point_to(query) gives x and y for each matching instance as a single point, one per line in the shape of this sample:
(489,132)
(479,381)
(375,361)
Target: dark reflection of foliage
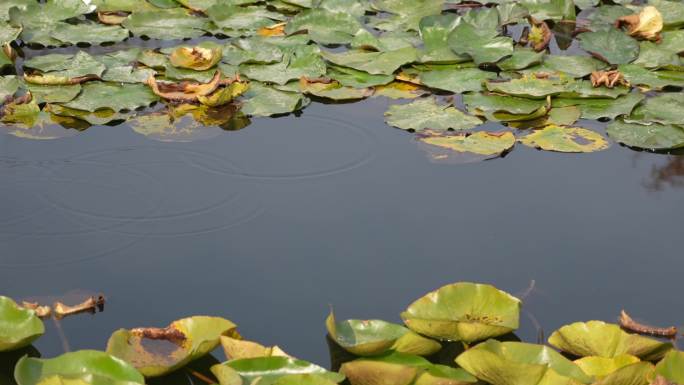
(671,174)
(563,33)
(338,356)
(9,359)
(185,376)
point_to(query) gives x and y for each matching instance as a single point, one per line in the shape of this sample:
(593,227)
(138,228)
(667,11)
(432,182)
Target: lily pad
(505,108)
(565,139)
(81,367)
(266,101)
(333,90)
(671,367)
(9,85)
(652,137)
(402,369)
(229,17)
(268,370)
(656,80)
(517,363)
(374,337)
(355,78)
(664,109)
(375,63)
(457,80)
(198,58)
(19,327)
(428,114)
(464,311)
(173,23)
(600,367)
(435,31)
(297,62)
(101,95)
(483,45)
(324,26)
(186,340)
(597,108)
(639,373)
(612,46)
(481,142)
(236,349)
(597,338)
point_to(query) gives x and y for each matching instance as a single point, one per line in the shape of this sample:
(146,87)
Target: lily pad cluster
(459,334)
(483,75)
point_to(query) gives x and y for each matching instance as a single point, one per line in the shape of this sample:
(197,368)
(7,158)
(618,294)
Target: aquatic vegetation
(19,327)
(268,58)
(458,334)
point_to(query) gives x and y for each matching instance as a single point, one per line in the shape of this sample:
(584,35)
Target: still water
(269,225)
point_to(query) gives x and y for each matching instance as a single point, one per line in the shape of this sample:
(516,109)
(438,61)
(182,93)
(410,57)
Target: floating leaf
(565,139)
(517,363)
(198,58)
(236,18)
(224,95)
(76,368)
(185,340)
(505,108)
(639,76)
(266,101)
(54,94)
(671,367)
(634,374)
(563,116)
(92,33)
(483,45)
(19,327)
(402,369)
(481,142)
(456,80)
(355,78)
(464,311)
(8,86)
(664,109)
(324,26)
(236,349)
(174,23)
(597,338)
(653,136)
(435,33)
(428,114)
(612,46)
(374,337)
(375,63)
(597,108)
(297,62)
(333,90)
(268,370)
(117,97)
(399,90)
(600,367)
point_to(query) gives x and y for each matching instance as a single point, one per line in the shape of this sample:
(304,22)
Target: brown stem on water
(627,323)
(168,333)
(41,311)
(201,376)
(89,305)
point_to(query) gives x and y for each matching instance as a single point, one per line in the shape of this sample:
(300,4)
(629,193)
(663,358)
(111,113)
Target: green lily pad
(522,58)
(671,367)
(456,80)
(435,31)
(268,370)
(574,66)
(54,94)
(128,74)
(9,85)
(565,139)
(664,109)
(505,108)
(464,311)
(262,100)
(597,338)
(612,46)
(200,335)
(402,369)
(483,45)
(113,96)
(66,67)
(19,327)
(358,79)
(374,337)
(399,90)
(333,90)
(597,108)
(256,49)
(324,26)
(600,367)
(652,137)
(92,33)
(173,23)
(656,80)
(375,63)
(81,367)
(550,9)
(428,114)
(528,87)
(303,379)
(563,116)
(517,363)
(231,18)
(405,14)
(481,142)
(297,62)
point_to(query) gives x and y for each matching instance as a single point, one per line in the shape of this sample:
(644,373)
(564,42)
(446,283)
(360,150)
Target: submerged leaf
(19,327)
(464,311)
(176,345)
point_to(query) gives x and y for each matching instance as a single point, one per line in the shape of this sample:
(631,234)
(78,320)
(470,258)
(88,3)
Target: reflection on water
(668,175)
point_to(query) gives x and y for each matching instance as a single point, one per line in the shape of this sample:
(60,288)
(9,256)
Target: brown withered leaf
(112,18)
(540,34)
(609,79)
(646,24)
(41,311)
(627,323)
(89,305)
(272,30)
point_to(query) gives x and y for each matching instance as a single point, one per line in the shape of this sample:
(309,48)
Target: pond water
(271,224)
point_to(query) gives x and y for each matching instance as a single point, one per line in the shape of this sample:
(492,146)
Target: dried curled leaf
(224,95)
(196,58)
(184,91)
(112,18)
(609,79)
(626,322)
(646,24)
(53,80)
(89,305)
(41,311)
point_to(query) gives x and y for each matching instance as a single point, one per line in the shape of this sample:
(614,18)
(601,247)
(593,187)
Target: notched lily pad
(464,311)
(158,351)
(428,114)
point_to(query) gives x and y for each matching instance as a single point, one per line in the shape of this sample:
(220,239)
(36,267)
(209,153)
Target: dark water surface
(269,225)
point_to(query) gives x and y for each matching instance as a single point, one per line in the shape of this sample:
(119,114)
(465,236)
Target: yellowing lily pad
(565,139)
(600,367)
(236,349)
(464,311)
(597,338)
(481,142)
(199,58)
